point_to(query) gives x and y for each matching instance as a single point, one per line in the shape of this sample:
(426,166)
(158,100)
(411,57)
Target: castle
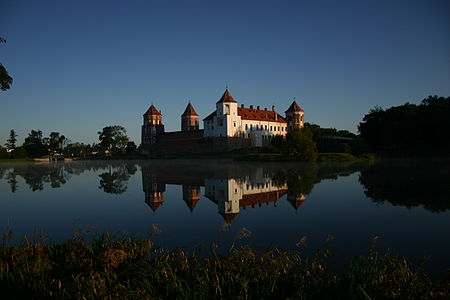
(228,128)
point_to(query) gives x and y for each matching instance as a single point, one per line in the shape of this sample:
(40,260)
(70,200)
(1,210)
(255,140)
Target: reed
(126,268)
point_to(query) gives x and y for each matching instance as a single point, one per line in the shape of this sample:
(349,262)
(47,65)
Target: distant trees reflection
(36,176)
(115,180)
(399,182)
(409,183)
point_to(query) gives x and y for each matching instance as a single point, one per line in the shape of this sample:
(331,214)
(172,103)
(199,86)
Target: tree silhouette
(5,79)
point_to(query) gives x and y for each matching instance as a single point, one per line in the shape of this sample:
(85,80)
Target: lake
(192,204)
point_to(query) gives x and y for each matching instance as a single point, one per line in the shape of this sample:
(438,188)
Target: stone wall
(193,142)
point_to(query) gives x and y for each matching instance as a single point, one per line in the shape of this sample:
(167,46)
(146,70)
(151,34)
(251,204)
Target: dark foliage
(125,268)
(409,129)
(406,183)
(35,145)
(5,79)
(113,138)
(298,144)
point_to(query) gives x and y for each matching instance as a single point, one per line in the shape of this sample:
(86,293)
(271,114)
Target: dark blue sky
(81,65)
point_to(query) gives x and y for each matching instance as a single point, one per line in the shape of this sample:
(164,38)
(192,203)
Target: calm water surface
(195,203)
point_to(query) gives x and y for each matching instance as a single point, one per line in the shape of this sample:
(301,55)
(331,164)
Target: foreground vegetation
(111,268)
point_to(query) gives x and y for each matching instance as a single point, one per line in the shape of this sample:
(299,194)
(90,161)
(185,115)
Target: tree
(5,79)
(56,142)
(409,129)
(131,148)
(298,143)
(113,138)
(11,142)
(34,144)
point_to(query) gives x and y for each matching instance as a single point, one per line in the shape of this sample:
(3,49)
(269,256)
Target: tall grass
(126,268)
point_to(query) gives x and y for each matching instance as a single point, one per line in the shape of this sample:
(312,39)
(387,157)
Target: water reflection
(408,183)
(37,175)
(235,187)
(114,181)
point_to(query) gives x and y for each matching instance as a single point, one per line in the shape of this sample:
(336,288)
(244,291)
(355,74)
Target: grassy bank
(110,268)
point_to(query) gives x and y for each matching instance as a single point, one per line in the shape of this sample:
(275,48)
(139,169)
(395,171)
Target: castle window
(234,123)
(251,127)
(270,128)
(265,127)
(227,109)
(246,126)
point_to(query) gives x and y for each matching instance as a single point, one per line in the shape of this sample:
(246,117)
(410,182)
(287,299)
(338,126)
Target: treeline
(409,129)
(113,139)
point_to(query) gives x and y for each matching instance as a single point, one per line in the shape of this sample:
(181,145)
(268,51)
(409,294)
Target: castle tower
(191,195)
(189,119)
(153,189)
(152,126)
(227,119)
(296,199)
(294,117)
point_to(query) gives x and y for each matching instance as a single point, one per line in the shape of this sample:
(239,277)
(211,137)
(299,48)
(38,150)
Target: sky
(79,66)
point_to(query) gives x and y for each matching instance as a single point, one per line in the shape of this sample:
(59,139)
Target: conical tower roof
(294,107)
(228,217)
(153,111)
(226,97)
(154,205)
(191,203)
(189,111)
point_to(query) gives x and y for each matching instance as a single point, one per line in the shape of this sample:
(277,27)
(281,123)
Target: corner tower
(294,117)
(152,126)
(227,120)
(189,119)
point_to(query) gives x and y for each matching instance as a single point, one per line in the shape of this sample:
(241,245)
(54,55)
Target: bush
(298,144)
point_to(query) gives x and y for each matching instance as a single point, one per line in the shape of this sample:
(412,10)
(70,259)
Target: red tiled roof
(226,97)
(294,107)
(153,111)
(191,203)
(254,114)
(260,115)
(189,111)
(259,198)
(210,117)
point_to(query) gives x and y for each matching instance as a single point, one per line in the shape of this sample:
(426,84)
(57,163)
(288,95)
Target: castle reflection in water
(230,193)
